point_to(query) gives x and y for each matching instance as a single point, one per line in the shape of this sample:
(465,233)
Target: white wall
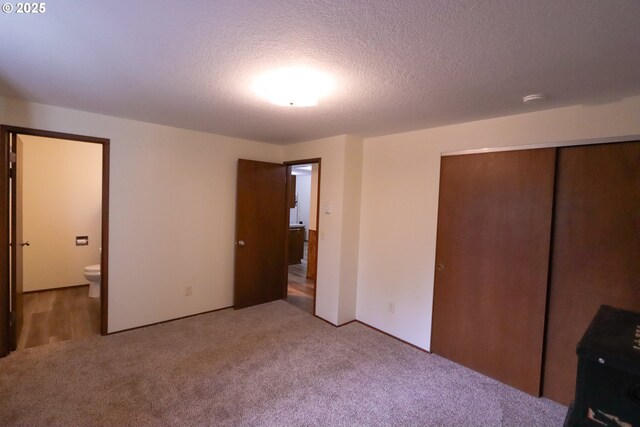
(401,173)
(62,199)
(303,192)
(336,276)
(172,210)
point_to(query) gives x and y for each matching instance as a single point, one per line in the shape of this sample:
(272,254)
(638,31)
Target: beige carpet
(268,365)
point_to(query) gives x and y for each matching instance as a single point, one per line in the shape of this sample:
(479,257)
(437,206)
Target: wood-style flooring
(300,289)
(58,315)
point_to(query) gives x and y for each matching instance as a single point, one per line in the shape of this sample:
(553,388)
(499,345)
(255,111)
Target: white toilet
(92,274)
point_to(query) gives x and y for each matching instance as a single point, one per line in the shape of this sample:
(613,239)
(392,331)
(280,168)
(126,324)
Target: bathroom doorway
(56,207)
(303,185)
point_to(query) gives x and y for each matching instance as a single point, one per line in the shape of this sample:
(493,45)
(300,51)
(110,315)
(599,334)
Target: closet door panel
(596,251)
(494,230)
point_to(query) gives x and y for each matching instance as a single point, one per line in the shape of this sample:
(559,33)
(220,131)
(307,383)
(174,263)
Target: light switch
(327,209)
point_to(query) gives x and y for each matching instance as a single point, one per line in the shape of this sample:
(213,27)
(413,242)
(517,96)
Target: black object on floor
(608,383)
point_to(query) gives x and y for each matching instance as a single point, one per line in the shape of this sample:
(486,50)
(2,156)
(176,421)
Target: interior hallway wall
(62,199)
(401,173)
(351,226)
(336,279)
(172,210)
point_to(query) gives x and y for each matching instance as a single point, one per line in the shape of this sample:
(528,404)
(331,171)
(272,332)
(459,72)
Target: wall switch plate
(188,290)
(391,307)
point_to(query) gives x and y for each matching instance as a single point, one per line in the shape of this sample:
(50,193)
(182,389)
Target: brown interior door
(261,224)
(596,251)
(18,246)
(494,230)
(5,264)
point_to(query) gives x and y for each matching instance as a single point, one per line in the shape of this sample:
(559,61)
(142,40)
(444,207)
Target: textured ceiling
(398,64)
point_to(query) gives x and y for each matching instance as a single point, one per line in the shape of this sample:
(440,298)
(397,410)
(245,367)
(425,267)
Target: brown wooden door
(19,244)
(5,238)
(596,251)
(494,229)
(261,224)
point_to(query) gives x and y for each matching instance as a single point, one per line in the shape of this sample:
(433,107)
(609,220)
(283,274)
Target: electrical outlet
(188,290)
(391,307)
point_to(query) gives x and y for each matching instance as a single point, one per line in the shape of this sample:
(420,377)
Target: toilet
(92,274)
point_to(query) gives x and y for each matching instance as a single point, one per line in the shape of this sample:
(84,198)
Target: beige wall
(172,210)
(62,190)
(400,200)
(351,229)
(173,205)
(340,193)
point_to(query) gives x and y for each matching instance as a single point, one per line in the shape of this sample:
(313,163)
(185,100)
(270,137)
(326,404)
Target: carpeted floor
(272,364)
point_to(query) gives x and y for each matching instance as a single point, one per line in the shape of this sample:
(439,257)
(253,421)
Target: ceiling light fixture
(535,97)
(293,87)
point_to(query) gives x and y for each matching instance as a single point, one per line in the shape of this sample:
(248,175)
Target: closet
(529,244)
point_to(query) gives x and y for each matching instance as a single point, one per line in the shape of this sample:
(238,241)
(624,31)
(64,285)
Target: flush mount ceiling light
(535,97)
(293,87)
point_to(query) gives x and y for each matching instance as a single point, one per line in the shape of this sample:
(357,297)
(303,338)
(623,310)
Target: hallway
(300,290)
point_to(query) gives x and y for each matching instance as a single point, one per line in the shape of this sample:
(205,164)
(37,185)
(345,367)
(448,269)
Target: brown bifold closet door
(596,250)
(494,230)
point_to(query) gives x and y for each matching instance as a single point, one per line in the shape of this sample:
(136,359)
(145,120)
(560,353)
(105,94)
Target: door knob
(27,243)
(240,243)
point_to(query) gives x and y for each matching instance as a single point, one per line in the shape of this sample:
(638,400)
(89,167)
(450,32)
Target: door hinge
(12,160)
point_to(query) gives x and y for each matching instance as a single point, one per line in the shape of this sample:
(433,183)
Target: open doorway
(302,203)
(56,286)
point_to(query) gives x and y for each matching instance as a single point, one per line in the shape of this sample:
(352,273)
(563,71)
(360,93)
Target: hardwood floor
(59,315)
(300,289)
